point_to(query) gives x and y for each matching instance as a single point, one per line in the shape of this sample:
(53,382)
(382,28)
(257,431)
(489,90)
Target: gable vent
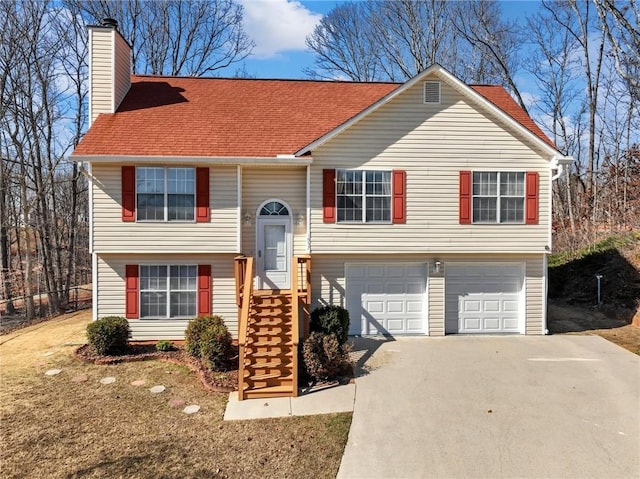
(432,92)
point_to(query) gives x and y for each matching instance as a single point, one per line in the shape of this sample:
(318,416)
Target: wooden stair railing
(244,293)
(268,333)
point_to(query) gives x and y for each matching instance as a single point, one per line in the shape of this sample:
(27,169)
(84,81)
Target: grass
(615,242)
(54,427)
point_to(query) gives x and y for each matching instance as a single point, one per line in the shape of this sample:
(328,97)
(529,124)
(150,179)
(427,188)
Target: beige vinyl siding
(286,184)
(111,234)
(111,292)
(435,288)
(535,292)
(101,93)
(328,282)
(122,64)
(432,143)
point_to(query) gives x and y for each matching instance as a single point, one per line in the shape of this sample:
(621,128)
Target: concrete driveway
(495,407)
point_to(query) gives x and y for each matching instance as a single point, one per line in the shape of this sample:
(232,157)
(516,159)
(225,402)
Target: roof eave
(281,159)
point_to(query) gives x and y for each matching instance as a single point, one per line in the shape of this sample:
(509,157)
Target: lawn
(57,426)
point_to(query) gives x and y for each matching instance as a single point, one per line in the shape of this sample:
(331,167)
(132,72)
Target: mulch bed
(218,381)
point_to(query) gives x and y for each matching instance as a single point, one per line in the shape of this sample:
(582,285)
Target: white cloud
(277,25)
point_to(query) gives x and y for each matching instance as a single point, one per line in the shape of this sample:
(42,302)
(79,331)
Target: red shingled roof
(499,97)
(178,116)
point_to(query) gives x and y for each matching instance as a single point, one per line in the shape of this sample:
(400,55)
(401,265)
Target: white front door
(273,245)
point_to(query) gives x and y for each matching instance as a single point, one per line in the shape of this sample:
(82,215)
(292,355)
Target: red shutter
(465,197)
(202,195)
(128,193)
(132,291)
(399,209)
(329,196)
(532,181)
(204,290)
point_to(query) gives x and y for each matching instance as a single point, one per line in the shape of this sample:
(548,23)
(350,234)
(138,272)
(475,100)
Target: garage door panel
(395,306)
(483,297)
(386,299)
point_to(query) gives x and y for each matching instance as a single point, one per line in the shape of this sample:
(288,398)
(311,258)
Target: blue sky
(279,29)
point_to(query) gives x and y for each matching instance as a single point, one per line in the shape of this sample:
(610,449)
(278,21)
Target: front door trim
(276,279)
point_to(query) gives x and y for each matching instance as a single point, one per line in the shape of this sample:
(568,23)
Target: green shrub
(164,345)
(196,329)
(324,357)
(109,335)
(331,320)
(215,345)
(208,339)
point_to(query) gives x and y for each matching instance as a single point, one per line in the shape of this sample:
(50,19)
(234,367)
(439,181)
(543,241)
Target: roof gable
(494,98)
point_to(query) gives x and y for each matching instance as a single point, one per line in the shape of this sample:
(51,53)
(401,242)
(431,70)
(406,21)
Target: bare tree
(496,41)
(173,37)
(344,44)
(621,26)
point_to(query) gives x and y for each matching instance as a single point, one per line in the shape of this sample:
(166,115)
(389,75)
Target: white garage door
(484,298)
(386,298)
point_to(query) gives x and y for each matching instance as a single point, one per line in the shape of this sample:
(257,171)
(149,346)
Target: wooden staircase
(268,332)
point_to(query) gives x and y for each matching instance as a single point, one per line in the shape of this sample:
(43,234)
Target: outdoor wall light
(437,265)
(246,217)
(300,219)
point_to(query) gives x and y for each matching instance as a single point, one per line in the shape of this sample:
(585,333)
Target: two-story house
(422,207)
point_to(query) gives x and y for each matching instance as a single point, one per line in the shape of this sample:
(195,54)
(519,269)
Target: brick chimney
(109,68)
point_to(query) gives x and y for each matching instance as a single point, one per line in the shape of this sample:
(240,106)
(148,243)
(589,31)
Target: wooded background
(584,57)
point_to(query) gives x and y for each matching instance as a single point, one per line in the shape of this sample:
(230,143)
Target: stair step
(262,377)
(269,392)
(268,322)
(270,354)
(267,365)
(262,344)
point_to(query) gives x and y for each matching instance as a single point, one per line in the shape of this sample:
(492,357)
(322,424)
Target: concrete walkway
(495,407)
(331,400)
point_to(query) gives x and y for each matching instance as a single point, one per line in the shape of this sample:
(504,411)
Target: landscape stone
(80,378)
(139,382)
(176,402)
(157,389)
(191,409)
(108,380)
(52,372)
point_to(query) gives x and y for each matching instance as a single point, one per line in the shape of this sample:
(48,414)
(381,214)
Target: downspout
(308,200)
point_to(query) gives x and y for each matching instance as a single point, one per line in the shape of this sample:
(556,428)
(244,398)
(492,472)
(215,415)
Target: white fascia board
(452,81)
(140,253)
(195,160)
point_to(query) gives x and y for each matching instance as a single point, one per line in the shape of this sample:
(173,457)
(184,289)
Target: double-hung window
(498,197)
(168,291)
(363,196)
(165,194)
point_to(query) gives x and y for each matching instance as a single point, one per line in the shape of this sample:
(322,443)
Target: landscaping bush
(324,357)
(109,335)
(196,329)
(164,346)
(331,320)
(208,339)
(215,345)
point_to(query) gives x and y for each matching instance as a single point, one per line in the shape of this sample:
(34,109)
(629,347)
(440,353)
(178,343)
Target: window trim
(364,196)
(166,195)
(498,198)
(168,291)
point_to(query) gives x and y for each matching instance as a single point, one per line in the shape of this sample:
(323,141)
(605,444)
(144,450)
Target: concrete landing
(331,400)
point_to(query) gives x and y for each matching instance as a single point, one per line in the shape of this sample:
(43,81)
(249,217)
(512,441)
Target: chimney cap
(110,22)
